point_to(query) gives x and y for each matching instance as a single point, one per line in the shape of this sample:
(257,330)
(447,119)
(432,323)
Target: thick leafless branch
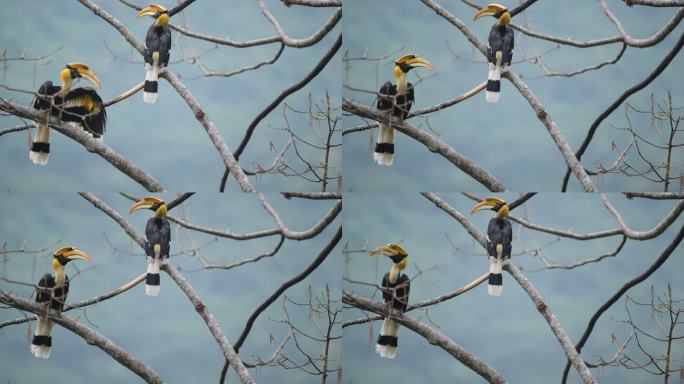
(313,3)
(655,195)
(430,334)
(77,134)
(228,352)
(201,116)
(84,303)
(313,195)
(90,336)
(423,111)
(559,332)
(432,143)
(554,324)
(425,303)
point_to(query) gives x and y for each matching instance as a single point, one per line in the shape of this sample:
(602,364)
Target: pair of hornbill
(398,98)
(396,286)
(83,106)
(52,289)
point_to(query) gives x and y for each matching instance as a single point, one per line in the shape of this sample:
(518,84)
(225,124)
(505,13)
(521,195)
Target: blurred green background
(505,138)
(507,331)
(164,331)
(165,139)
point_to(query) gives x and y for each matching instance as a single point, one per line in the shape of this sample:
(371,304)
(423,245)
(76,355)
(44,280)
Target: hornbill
(500,48)
(499,238)
(82,106)
(53,289)
(157,239)
(157,49)
(399,98)
(396,287)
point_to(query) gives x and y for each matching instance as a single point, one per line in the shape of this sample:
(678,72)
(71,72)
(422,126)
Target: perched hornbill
(53,290)
(396,287)
(399,98)
(157,49)
(500,49)
(157,240)
(82,106)
(499,238)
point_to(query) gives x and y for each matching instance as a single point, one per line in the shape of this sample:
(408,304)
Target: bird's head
(152,203)
(160,13)
(498,11)
(492,203)
(395,252)
(74,71)
(66,254)
(406,63)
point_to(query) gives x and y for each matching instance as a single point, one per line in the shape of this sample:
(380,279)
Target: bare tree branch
(633,282)
(77,134)
(292,89)
(432,143)
(285,286)
(430,334)
(554,324)
(90,336)
(634,89)
(201,308)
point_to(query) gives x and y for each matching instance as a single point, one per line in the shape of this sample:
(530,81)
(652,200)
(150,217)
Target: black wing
(402,293)
(158,40)
(499,231)
(47,292)
(41,101)
(508,45)
(158,231)
(85,106)
(405,102)
(385,96)
(165,52)
(495,43)
(46,282)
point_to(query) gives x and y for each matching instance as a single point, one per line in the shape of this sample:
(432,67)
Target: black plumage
(47,292)
(158,39)
(399,104)
(80,105)
(401,293)
(501,39)
(499,231)
(158,231)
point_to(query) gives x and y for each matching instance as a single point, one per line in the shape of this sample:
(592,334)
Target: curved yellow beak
(147,202)
(151,10)
(419,62)
(388,250)
(489,10)
(487,203)
(72,253)
(85,72)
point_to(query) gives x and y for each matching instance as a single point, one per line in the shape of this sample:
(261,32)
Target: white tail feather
(495,267)
(386,135)
(494,74)
(152,268)
(43,328)
(149,97)
(152,290)
(42,136)
(151,74)
(389,328)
